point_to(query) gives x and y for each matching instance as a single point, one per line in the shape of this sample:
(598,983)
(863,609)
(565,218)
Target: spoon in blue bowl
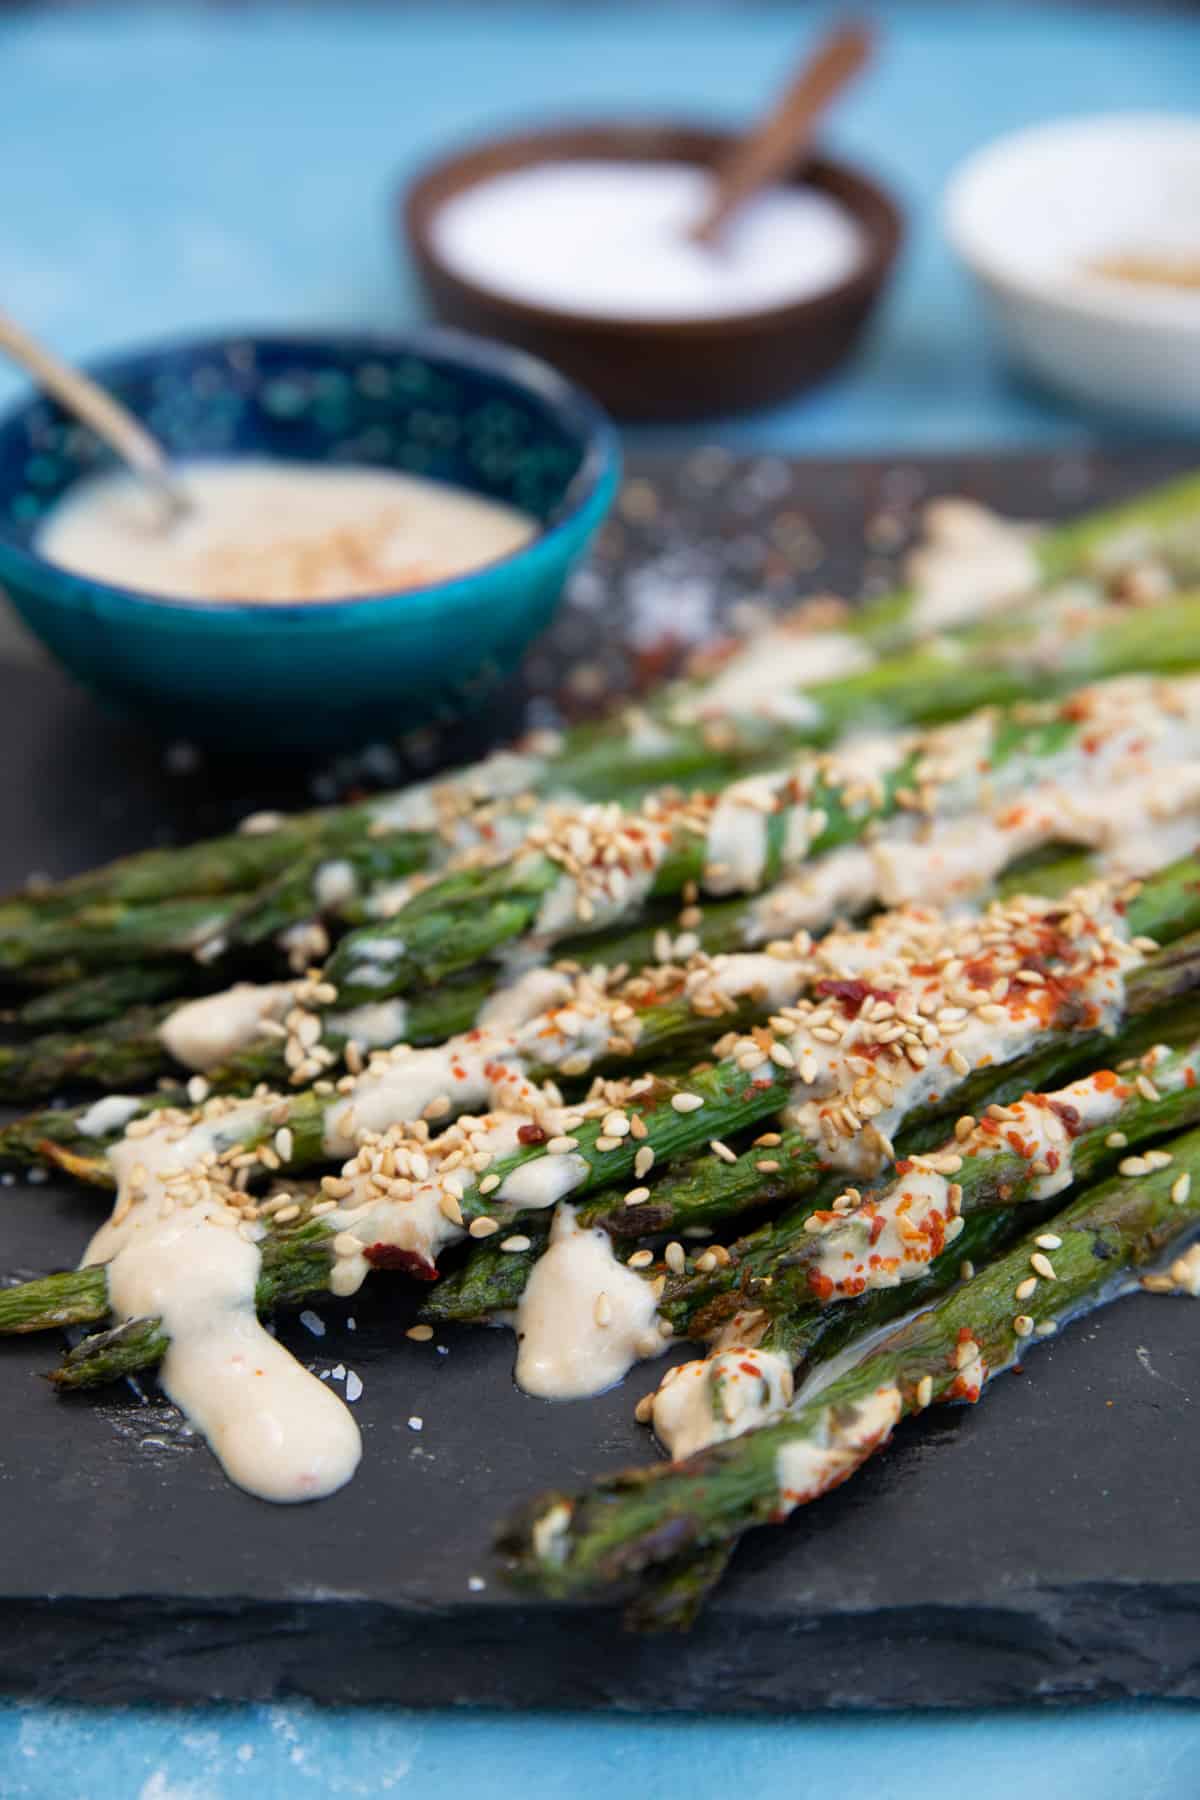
(97,408)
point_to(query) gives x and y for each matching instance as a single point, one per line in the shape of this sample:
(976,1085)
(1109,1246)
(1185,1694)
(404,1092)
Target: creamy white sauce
(583,1319)
(543,1181)
(276,531)
(841,883)
(389,898)
(111,1113)
(736,849)
(421,1221)
(560,1020)
(175,1251)
(767,676)
(707,1402)
(504,775)
(972,563)
(203,1033)
(516,1004)
(560,914)
(768,981)
(809,1466)
(334,884)
(374,1025)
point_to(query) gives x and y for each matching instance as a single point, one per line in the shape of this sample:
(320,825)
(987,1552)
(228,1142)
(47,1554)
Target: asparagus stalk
(97,999)
(632,1522)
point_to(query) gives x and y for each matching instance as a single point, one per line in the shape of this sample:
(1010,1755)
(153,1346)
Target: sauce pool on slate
(280,532)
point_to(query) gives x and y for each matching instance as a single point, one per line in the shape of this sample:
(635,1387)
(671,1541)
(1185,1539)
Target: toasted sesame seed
(1040,1262)
(1159,1159)
(925,1390)
(675,1257)
(767,1167)
(346,1244)
(768,1141)
(1116,1140)
(1047,1327)
(643,1162)
(1023,1325)
(481,1228)
(637,1196)
(602,1311)
(1182,1189)
(514,1244)
(687,1103)
(450,1209)
(643,1412)
(1049,1240)
(1133,1165)
(722,1151)
(286,1214)
(1024,1289)
(966,1269)
(420,1334)
(641,1259)
(1146,1088)
(489,1184)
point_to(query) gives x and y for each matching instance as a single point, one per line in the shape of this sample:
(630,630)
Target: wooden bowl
(656,368)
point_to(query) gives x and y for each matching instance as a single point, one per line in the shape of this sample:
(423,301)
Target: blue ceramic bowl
(332,672)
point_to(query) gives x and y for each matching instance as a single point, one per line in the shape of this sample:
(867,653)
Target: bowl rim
(1110,302)
(420,196)
(593,485)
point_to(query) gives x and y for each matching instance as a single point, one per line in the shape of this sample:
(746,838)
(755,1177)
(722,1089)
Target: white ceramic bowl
(1030,213)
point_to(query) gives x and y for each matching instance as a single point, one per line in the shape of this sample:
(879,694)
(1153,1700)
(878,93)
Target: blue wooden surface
(170,170)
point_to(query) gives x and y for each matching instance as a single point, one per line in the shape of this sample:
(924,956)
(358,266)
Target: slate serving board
(1044,1545)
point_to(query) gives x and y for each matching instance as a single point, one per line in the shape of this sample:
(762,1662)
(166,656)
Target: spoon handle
(774,147)
(94,405)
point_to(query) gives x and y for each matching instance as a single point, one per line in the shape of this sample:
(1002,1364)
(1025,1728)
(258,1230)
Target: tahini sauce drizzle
(277,1431)
(284,532)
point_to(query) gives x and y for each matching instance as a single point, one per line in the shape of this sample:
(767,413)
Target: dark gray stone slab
(1041,1546)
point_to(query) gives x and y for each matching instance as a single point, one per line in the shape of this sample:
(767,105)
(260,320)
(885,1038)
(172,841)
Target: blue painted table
(168,171)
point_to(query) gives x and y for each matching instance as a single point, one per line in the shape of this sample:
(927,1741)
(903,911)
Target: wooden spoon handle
(93,404)
(775,146)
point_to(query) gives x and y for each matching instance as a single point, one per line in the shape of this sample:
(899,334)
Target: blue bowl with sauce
(278,676)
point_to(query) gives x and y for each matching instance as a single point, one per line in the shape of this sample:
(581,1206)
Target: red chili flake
(1070,1115)
(820,1284)
(877,1225)
(852,994)
(1053,1159)
(749,1368)
(531,1134)
(1189,1079)
(409,1262)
